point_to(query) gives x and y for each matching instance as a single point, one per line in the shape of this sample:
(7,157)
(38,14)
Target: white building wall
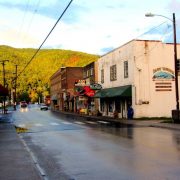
(143,58)
(117,57)
(156,55)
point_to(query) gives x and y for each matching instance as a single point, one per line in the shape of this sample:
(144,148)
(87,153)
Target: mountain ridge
(41,68)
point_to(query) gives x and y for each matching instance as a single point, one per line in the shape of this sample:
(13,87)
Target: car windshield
(23,104)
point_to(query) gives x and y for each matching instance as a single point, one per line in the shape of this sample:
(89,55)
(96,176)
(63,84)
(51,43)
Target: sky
(91,26)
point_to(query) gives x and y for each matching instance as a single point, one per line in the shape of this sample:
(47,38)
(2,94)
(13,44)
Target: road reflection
(98,150)
(124,131)
(24,109)
(176,140)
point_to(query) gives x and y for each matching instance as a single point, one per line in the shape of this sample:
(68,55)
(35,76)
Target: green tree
(24,97)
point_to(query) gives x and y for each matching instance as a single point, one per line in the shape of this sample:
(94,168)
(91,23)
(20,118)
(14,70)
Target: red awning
(88,91)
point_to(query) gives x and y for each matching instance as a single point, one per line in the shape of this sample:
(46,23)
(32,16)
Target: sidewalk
(142,123)
(15,161)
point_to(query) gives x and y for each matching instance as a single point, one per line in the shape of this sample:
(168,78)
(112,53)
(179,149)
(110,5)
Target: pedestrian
(130,112)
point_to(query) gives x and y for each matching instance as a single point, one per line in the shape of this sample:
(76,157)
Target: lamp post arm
(152,15)
(163,17)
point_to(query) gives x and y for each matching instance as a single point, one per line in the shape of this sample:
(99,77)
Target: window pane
(178,66)
(113,75)
(102,76)
(110,106)
(102,105)
(125,69)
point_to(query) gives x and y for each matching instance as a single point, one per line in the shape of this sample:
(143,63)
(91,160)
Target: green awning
(123,91)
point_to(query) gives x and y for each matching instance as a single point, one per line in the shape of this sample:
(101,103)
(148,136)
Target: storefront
(84,101)
(54,102)
(115,101)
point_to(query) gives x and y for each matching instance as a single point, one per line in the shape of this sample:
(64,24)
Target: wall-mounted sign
(96,86)
(163,78)
(163,73)
(163,86)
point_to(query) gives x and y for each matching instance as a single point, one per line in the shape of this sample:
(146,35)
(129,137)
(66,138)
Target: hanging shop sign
(96,86)
(88,91)
(80,83)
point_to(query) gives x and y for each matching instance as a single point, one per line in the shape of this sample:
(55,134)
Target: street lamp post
(175,113)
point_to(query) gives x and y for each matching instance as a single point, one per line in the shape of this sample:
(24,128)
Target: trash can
(176,116)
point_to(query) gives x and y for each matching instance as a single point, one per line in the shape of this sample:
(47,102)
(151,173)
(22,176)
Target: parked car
(43,106)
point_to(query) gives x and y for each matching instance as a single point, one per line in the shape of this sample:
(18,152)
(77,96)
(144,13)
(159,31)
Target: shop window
(102,105)
(84,74)
(113,73)
(92,71)
(118,106)
(102,75)
(111,106)
(125,69)
(178,66)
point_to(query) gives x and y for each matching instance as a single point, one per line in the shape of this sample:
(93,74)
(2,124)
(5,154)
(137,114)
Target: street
(76,150)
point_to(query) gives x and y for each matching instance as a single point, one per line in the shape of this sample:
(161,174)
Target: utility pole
(15,88)
(175,65)
(4,82)
(175,112)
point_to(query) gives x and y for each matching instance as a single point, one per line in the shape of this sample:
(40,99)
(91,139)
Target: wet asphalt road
(87,151)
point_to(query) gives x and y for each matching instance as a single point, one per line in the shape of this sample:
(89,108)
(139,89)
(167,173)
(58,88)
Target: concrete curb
(135,123)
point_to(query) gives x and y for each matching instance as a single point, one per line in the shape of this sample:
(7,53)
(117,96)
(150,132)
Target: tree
(24,97)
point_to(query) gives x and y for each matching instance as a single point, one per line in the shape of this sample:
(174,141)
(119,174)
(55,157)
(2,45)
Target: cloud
(89,26)
(50,9)
(174,5)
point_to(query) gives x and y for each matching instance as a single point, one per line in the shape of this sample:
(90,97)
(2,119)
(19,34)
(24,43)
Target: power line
(45,38)
(152,29)
(164,34)
(31,20)
(23,19)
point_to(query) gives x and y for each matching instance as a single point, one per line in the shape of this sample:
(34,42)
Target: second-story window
(92,71)
(113,73)
(178,66)
(84,74)
(102,76)
(125,69)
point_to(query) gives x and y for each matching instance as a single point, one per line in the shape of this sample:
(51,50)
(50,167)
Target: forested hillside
(34,81)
